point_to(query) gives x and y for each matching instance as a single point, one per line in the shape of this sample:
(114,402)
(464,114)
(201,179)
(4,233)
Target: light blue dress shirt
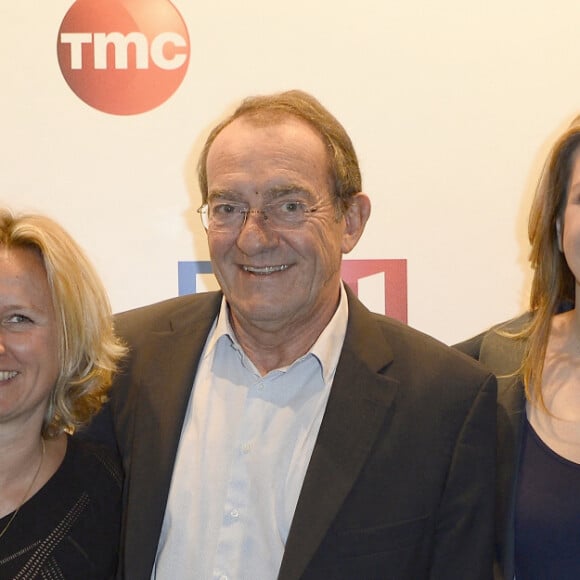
(244,450)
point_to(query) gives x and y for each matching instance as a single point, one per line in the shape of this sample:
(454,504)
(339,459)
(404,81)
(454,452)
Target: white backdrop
(451,106)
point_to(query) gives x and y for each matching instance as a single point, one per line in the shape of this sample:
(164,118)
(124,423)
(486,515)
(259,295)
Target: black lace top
(70,528)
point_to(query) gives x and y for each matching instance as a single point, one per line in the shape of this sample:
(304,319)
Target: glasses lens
(287,215)
(226,217)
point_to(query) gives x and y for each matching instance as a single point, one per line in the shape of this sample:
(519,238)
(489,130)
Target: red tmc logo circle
(123,57)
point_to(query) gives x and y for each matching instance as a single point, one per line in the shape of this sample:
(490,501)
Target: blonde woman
(59,497)
(537,361)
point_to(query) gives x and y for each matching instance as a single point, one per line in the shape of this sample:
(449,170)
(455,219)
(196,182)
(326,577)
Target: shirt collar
(326,349)
(328,345)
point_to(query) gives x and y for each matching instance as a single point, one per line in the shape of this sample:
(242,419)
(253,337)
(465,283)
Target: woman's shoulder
(512,325)
(498,331)
(499,347)
(93,464)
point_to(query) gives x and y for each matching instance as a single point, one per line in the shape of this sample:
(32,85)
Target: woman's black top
(70,528)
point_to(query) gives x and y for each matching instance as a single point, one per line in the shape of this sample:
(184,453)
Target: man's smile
(265,270)
(7,375)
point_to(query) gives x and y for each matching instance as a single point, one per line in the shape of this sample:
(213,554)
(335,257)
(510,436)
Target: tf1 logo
(123,57)
(380,284)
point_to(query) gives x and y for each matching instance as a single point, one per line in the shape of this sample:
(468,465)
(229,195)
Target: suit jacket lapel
(503,356)
(358,407)
(164,375)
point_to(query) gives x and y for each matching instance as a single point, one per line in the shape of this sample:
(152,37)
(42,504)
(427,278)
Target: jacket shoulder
(421,355)
(497,348)
(159,316)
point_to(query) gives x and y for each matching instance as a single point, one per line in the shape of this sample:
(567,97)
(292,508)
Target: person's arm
(465,521)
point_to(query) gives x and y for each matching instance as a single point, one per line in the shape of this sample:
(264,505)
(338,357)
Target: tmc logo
(380,284)
(123,57)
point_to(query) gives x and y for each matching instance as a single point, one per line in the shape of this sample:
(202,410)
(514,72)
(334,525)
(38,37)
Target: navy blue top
(547,522)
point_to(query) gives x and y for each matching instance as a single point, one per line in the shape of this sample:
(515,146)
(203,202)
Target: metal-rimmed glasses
(226,216)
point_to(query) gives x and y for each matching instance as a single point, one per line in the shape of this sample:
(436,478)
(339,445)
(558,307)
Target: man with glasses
(278,429)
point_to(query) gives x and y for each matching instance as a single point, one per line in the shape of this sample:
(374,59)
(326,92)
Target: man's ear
(355,218)
(559,232)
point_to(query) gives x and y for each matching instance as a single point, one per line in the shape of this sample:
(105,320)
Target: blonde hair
(553,282)
(88,348)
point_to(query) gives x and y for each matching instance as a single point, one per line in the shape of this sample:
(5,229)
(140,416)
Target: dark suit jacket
(401,479)
(503,356)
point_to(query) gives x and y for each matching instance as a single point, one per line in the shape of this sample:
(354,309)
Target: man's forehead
(282,151)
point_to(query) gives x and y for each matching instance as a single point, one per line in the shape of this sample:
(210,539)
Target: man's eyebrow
(272,193)
(223,194)
(276,192)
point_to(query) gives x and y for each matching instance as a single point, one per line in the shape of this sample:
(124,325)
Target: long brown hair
(553,282)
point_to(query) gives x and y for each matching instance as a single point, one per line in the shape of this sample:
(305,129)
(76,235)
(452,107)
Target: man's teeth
(6,375)
(265,269)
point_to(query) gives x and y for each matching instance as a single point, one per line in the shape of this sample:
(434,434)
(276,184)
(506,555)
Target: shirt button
(234,513)
(260,386)
(246,447)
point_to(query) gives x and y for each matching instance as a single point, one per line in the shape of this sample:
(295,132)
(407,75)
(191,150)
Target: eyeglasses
(231,217)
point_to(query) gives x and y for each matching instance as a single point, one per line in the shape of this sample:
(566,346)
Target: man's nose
(255,234)
(255,214)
